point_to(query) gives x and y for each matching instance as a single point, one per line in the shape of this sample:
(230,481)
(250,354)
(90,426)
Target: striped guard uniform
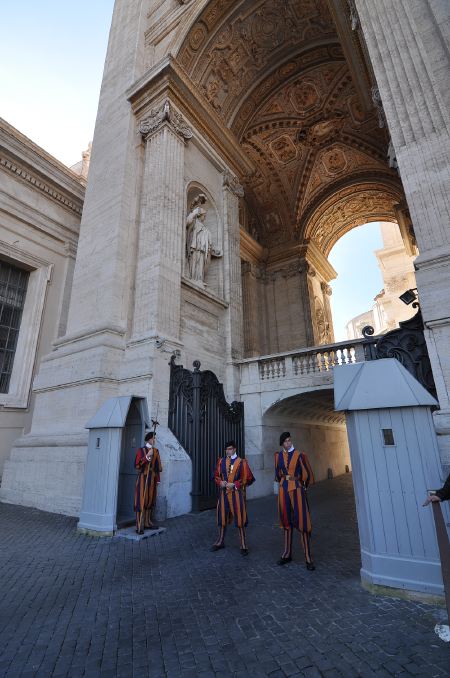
(231,504)
(294,475)
(145,496)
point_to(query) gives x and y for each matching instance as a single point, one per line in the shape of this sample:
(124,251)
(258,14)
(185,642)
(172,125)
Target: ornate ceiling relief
(233,44)
(348,208)
(275,72)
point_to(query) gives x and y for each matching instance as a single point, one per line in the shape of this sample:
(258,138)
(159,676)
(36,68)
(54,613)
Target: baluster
(320,361)
(303,364)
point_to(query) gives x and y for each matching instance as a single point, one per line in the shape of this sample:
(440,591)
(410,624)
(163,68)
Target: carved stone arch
(347,208)
(305,145)
(308,205)
(191,15)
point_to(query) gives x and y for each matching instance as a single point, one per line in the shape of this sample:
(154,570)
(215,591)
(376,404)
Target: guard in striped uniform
(148,463)
(232,477)
(294,475)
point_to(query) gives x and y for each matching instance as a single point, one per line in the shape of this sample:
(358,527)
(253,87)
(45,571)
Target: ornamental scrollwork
(165,115)
(231,182)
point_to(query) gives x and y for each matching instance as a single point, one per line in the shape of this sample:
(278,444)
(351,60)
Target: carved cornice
(167,80)
(38,183)
(231,182)
(251,250)
(30,163)
(306,257)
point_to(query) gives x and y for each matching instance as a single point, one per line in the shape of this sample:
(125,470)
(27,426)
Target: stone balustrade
(303,364)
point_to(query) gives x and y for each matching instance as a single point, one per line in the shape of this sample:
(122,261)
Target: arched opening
(290,81)
(316,428)
(373,270)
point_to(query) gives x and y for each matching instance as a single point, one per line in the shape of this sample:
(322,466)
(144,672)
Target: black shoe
(217,547)
(152,527)
(139,531)
(310,566)
(244,552)
(283,561)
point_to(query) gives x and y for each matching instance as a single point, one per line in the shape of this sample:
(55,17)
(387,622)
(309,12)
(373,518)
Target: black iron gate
(408,345)
(202,420)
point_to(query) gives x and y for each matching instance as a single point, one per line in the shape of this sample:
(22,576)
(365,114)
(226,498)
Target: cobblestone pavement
(73,605)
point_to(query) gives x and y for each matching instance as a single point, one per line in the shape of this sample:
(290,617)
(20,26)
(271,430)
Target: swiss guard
(148,463)
(232,477)
(294,475)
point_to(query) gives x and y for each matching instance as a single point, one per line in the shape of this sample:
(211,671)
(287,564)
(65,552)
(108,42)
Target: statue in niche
(199,247)
(322,324)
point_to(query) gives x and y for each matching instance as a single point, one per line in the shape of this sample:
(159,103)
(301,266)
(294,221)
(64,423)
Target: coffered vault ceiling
(275,71)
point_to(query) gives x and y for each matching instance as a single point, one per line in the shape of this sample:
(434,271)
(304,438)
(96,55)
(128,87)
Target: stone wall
(40,211)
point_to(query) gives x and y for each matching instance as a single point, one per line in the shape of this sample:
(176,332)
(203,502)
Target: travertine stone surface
(278,129)
(408,47)
(40,209)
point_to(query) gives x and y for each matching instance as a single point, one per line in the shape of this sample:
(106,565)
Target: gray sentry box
(395,459)
(115,433)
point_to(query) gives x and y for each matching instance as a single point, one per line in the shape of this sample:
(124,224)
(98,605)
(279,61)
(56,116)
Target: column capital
(231,182)
(165,115)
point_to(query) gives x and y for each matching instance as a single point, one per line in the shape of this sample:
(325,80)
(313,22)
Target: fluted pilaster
(159,260)
(252,314)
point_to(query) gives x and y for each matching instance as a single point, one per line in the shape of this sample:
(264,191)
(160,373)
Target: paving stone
(167,606)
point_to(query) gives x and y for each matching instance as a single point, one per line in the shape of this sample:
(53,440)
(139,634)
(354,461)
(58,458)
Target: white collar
(291,449)
(234,456)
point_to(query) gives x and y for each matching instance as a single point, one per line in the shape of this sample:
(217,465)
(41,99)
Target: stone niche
(198,196)
(203,303)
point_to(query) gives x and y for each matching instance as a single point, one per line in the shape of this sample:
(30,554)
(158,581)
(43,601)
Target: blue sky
(52,54)
(359,278)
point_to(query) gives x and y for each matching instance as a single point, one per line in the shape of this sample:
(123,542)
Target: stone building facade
(41,203)
(397,272)
(284,124)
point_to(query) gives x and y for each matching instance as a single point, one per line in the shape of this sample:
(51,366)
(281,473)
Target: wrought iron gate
(202,420)
(408,345)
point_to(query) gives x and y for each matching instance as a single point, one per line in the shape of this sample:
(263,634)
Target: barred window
(13,288)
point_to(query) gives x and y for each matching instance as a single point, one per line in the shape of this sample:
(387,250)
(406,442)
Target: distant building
(397,269)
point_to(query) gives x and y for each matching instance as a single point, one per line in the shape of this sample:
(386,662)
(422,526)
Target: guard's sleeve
(277,469)
(309,480)
(140,460)
(217,475)
(247,477)
(444,492)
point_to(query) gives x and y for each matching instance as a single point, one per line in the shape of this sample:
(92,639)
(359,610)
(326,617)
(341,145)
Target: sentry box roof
(377,384)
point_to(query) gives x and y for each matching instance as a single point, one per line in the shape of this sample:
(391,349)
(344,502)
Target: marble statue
(199,247)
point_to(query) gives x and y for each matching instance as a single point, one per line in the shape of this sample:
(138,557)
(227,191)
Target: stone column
(232,191)
(156,322)
(252,313)
(160,257)
(407,43)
